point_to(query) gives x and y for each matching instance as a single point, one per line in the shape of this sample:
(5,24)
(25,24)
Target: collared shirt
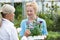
(24,26)
(8,31)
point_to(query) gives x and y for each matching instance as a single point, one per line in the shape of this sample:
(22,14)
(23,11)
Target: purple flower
(27,23)
(31,27)
(40,21)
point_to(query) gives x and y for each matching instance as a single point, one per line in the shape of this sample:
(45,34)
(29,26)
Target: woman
(31,11)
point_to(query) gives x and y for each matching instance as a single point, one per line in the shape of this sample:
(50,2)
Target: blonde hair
(32,4)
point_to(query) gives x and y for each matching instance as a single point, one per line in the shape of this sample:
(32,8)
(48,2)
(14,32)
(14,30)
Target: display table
(36,37)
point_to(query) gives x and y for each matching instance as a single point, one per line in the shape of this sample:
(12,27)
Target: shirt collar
(7,21)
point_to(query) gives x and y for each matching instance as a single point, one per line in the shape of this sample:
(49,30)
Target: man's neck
(7,19)
(0,24)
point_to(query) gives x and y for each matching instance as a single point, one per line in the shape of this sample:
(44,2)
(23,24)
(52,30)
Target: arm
(22,28)
(24,31)
(44,31)
(14,34)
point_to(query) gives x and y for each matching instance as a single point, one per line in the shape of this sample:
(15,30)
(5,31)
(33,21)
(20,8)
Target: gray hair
(6,8)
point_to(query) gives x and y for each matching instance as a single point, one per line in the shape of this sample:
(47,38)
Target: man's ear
(6,15)
(0,23)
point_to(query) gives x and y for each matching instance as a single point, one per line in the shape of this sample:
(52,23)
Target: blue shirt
(24,26)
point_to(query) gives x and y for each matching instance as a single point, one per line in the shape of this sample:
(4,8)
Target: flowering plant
(35,28)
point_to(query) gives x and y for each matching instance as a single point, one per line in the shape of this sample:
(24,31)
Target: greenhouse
(48,10)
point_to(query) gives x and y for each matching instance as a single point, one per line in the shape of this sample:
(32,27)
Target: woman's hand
(27,32)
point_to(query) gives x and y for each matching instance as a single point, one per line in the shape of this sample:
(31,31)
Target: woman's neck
(33,18)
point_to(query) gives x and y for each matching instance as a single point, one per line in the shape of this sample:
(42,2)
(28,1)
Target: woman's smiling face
(30,11)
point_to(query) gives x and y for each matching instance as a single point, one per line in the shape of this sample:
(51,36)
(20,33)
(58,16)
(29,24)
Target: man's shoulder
(7,24)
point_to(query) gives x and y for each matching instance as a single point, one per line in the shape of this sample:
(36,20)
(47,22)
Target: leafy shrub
(49,20)
(18,14)
(52,20)
(53,36)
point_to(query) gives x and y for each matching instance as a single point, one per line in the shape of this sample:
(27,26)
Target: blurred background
(47,9)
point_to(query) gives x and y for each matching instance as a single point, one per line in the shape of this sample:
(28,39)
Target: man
(7,29)
(0,19)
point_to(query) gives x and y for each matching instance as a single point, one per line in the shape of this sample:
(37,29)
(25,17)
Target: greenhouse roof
(9,1)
